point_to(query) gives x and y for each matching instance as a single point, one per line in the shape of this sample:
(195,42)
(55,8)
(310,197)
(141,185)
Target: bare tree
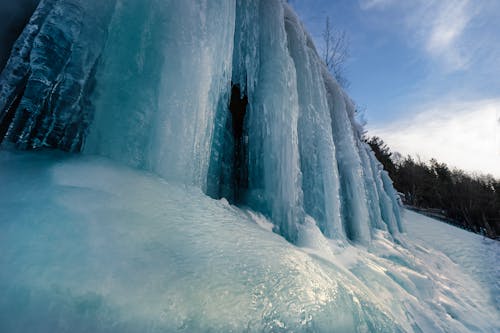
(336,52)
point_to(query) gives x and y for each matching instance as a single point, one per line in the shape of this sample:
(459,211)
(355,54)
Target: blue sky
(426,71)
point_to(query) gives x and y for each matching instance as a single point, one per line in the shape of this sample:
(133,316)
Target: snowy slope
(88,245)
(477,256)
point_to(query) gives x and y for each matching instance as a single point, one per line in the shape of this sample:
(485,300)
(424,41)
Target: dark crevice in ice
(238,108)
(228,171)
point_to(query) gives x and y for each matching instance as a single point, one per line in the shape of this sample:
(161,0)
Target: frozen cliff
(229,96)
(216,181)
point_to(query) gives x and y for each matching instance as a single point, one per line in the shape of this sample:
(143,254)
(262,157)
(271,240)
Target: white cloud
(447,25)
(465,135)
(498,131)
(440,27)
(369,4)
(444,32)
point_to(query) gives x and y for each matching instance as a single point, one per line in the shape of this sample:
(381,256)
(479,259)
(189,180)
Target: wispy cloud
(444,32)
(463,134)
(439,27)
(498,131)
(369,4)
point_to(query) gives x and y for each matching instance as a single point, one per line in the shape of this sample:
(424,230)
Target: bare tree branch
(336,52)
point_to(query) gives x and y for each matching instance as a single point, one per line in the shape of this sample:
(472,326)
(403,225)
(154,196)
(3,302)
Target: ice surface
(88,245)
(149,84)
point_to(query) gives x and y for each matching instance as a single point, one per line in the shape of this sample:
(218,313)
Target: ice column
(167,66)
(320,180)
(355,210)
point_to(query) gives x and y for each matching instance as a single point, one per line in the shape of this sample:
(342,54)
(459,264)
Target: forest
(466,200)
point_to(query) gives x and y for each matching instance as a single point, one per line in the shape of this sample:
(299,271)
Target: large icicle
(391,192)
(264,73)
(167,65)
(199,50)
(355,210)
(385,203)
(274,171)
(320,180)
(372,191)
(128,80)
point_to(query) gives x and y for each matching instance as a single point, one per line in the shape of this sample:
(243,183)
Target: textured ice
(149,84)
(88,245)
(47,82)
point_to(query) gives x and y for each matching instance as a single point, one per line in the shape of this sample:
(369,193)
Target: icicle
(355,210)
(320,180)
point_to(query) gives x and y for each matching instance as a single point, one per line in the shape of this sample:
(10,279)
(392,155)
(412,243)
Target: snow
(476,255)
(87,244)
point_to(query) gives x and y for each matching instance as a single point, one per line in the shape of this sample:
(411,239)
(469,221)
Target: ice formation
(228,96)
(184,102)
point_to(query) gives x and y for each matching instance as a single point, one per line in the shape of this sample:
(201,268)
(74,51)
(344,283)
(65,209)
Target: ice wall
(165,67)
(229,96)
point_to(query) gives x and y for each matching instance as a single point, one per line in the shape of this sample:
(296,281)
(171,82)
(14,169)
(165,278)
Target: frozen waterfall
(229,96)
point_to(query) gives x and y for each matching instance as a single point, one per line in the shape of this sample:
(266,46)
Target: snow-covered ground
(88,245)
(475,255)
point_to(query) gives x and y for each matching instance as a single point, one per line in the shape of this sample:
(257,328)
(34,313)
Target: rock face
(228,96)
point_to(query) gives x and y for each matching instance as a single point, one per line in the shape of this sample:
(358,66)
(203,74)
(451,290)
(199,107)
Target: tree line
(468,201)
